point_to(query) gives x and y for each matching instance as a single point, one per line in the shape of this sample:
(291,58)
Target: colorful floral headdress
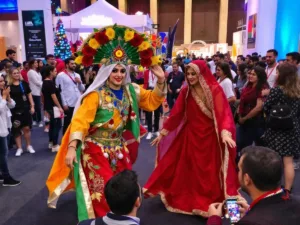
(117,44)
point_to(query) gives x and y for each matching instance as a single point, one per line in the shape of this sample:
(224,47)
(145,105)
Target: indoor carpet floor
(26,203)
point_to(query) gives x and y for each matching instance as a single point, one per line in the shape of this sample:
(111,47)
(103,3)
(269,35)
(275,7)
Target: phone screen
(233,210)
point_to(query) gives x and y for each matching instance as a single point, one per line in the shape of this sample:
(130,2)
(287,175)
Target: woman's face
(16,74)
(192,77)
(219,72)
(2,83)
(53,73)
(117,76)
(41,64)
(253,77)
(35,65)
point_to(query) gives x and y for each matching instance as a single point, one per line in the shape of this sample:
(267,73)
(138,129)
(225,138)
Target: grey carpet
(26,203)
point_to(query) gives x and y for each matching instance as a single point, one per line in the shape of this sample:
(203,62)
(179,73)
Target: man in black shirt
(260,172)
(175,82)
(50,59)
(11,56)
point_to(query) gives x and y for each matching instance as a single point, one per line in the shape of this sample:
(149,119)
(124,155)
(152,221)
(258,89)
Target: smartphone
(233,211)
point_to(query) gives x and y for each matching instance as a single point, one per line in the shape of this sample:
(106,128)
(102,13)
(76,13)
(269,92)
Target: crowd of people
(207,98)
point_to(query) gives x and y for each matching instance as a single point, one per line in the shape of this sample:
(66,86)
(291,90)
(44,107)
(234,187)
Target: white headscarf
(101,78)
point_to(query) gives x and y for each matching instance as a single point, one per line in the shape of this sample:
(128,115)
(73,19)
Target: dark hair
(261,78)
(295,56)
(263,58)
(24,63)
(274,51)
(47,71)
(243,70)
(226,69)
(254,54)
(9,52)
(49,56)
(31,62)
(241,57)
(261,64)
(68,60)
(221,56)
(2,66)
(263,166)
(248,56)
(175,63)
(122,191)
(288,80)
(254,58)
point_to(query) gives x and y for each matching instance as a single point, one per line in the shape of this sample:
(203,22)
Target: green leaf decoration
(96,30)
(120,32)
(79,53)
(96,167)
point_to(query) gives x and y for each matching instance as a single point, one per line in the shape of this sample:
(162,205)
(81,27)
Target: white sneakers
(149,136)
(55,148)
(50,145)
(29,149)
(34,123)
(19,152)
(41,124)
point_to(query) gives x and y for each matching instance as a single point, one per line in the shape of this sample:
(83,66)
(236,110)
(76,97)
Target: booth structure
(272,24)
(101,14)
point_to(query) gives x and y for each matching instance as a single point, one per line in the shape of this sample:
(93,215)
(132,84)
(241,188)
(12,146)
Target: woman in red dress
(195,163)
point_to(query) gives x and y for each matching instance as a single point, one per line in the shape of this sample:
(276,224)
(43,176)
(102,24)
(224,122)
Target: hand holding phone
(233,210)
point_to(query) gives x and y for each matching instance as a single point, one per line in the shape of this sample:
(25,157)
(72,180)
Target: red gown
(194,168)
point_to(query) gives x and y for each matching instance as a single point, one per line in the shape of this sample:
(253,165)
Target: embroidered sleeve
(83,117)
(164,132)
(150,100)
(160,89)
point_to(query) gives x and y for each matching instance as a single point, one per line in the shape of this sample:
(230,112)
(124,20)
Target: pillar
(154,11)
(64,5)
(188,21)
(123,5)
(223,21)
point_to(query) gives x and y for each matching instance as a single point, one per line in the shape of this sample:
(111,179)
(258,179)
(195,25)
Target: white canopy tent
(101,14)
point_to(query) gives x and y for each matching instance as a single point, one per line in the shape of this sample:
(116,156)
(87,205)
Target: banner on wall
(252,23)
(34,34)
(164,41)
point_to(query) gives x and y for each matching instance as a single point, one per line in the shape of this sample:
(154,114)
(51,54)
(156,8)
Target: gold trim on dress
(201,104)
(86,193)
(77,135)
(164,132)
(53,198)
(174,210)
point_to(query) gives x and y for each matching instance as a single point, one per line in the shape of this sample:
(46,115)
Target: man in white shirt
(71,89)
(271,59)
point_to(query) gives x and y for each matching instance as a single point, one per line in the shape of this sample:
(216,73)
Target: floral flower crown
(117,44)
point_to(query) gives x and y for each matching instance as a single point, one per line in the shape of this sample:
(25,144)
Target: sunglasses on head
(115,70)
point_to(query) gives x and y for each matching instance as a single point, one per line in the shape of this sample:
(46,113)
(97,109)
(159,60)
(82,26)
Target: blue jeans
(55,126)
(3,157)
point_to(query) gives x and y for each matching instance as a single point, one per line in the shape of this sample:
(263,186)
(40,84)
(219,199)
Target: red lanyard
(66,72)
(269,74)
(266,195)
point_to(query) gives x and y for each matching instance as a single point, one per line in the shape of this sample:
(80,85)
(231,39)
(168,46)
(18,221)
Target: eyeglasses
(116,70)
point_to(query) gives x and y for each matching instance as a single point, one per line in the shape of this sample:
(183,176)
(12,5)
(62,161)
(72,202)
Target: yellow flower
(78,60)
(119,53)
(110,33)
(156,60)
(129,34)
(141,69)
(108,98)
(145,45)
(93,43)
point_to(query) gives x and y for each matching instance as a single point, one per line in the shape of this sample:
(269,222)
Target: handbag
(280,118)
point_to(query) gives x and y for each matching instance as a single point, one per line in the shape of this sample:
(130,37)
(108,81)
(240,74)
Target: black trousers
(149,116)
(68,118)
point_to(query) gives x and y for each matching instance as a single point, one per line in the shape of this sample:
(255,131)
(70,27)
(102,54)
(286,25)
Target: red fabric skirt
(189,176)
(98,170)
